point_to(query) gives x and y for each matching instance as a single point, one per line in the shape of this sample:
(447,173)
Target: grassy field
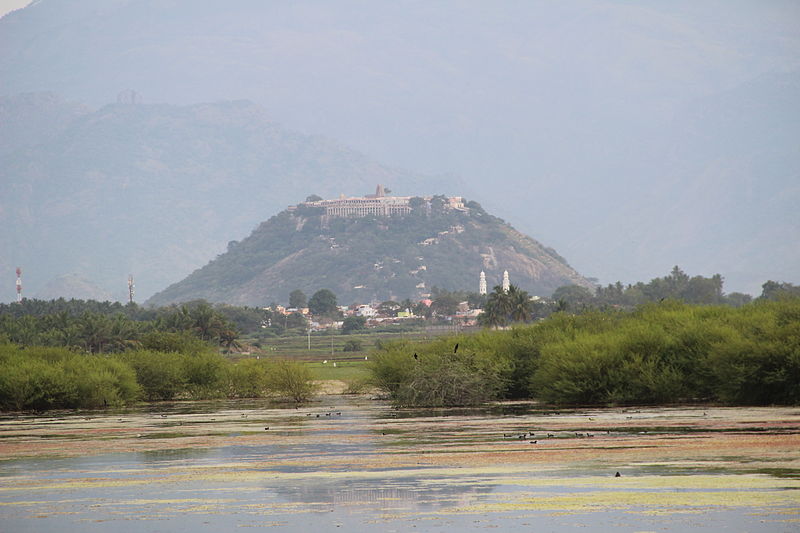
(326,349)
(330,347)
(348,371)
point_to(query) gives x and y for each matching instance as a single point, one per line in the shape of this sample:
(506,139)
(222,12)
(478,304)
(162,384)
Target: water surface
(360,465)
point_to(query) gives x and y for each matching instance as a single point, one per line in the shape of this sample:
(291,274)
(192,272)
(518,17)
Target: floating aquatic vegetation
(366,470)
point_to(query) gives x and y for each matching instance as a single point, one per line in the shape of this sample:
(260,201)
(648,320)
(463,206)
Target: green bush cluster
(291,381)
(436,376)
(40,378)
(49,378)
(660,353)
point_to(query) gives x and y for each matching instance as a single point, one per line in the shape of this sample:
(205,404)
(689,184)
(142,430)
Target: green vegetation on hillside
(372,258)
(660,353)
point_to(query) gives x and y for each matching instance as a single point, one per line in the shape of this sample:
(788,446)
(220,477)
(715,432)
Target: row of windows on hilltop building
(375,204)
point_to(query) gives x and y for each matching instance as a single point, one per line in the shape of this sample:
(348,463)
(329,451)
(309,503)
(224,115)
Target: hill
(647,134)
(72,286)
(373,258)
(151,190)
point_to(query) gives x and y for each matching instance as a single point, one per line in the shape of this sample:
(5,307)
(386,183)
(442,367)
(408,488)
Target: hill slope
(152,190)
(373,258)
(638,128)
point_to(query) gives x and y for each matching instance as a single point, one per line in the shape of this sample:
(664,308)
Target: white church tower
(506,283)
(482,283)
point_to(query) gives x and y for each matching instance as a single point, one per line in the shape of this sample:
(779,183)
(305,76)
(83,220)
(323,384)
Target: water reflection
(149,457)
(375,468)
(413,493)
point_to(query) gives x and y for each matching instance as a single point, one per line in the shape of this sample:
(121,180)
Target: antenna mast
(19,285)
(131,288)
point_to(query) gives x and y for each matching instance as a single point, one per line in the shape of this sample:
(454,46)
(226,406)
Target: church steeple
(506,283)
(482,283)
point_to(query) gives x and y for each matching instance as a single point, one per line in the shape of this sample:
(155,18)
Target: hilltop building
(376,204)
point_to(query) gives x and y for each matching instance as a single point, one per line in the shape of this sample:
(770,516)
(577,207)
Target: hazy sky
(11,5)
(629,136)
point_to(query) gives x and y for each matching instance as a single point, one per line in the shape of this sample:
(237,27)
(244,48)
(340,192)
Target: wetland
(360,464)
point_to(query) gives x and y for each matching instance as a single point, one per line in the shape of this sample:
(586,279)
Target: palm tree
(95,331)
(228,338)
(503,307)
(497,310)
(123,334)
(520,304)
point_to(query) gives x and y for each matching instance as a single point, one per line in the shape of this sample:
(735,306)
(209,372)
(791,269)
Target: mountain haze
(154,190)
(633,135)
(373,259)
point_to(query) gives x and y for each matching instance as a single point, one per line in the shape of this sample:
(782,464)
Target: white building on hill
(376,204)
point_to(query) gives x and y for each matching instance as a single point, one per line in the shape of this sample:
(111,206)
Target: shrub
(353,323)
(353,345)
(249,378)
(27,383)
(391,367)
(448,380)
(660,353)
(438,377)
(292,381)
(167,341)
(204,375)
(50,378)
(99,381)
(160,375)
(759,364)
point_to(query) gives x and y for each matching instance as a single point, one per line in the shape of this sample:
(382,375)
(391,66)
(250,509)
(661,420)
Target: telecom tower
(19,285)
(131,288)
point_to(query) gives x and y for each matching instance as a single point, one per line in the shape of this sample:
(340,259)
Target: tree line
(104,327)
(677,285)
(503,308)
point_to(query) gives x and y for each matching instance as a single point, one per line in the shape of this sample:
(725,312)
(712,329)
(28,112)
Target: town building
(366,310)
